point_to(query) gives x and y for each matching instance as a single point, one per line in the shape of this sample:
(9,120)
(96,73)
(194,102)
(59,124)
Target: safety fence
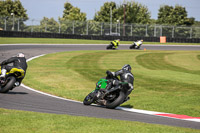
(92,37)
(96,28)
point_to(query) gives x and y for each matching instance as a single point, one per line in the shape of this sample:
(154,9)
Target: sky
(37,9)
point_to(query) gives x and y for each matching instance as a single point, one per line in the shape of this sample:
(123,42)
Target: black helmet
(127,67)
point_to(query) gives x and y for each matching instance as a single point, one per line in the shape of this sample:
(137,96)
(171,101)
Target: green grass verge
(23,122)
(165,81)
(5,40)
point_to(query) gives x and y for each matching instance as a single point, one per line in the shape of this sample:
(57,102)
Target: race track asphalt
(24,99)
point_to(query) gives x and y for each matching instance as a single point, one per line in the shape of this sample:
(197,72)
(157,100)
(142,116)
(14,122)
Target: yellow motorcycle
(10,80)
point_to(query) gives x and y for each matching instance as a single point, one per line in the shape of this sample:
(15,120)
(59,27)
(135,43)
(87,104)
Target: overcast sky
(37,9)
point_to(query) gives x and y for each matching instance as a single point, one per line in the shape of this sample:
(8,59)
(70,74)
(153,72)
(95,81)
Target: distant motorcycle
(8,83)
(136,45)
(114,44)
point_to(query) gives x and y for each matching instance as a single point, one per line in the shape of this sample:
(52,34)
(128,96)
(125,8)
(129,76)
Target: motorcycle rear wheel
(116,102)
(9,85)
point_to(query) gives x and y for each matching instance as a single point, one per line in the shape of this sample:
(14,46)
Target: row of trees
(132,11)
(10,9)
(110,12)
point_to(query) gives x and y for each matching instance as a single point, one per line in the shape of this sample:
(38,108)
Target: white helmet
(20,55)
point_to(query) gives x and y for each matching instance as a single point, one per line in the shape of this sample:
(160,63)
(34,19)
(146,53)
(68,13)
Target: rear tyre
(9,85)
(116,102)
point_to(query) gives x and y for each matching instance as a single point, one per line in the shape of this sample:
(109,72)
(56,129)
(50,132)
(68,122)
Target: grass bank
(165,81)
(5,40)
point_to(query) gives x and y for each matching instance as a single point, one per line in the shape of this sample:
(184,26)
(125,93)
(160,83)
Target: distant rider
(115,43)
(18,61)
(138,43)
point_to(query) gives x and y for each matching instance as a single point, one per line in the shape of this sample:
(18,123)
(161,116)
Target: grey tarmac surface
(23,99)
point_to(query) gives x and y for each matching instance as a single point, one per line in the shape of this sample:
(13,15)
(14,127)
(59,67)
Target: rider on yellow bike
(115,43)
(19,62)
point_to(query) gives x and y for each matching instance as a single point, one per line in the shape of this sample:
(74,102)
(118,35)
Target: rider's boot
(3,73)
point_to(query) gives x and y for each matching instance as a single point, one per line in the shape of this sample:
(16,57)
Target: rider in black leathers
(113,83)
(18,62)
(125,76)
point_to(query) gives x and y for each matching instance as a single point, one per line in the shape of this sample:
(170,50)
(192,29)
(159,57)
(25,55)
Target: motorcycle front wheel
(9,85)
(88,100)
(109,46)
(132,46)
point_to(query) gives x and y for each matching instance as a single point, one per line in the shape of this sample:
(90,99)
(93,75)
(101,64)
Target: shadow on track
(14,93)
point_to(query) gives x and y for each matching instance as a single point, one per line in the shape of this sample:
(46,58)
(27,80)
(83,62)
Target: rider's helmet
(20,55)
(127,67)
(118,40)
(141,40)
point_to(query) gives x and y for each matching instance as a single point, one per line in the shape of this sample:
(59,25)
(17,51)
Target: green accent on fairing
(101,84)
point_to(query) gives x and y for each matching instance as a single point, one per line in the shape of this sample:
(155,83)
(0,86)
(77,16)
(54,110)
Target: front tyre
(10,83)
(132,46)
(116,102)
(109,46)
(88,100)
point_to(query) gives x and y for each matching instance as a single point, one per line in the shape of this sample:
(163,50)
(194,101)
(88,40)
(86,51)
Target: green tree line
(129,12)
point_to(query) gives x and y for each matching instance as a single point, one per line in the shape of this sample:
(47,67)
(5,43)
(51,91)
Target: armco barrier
(91,37)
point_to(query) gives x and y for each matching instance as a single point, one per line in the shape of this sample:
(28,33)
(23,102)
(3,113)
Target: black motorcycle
(110,98)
